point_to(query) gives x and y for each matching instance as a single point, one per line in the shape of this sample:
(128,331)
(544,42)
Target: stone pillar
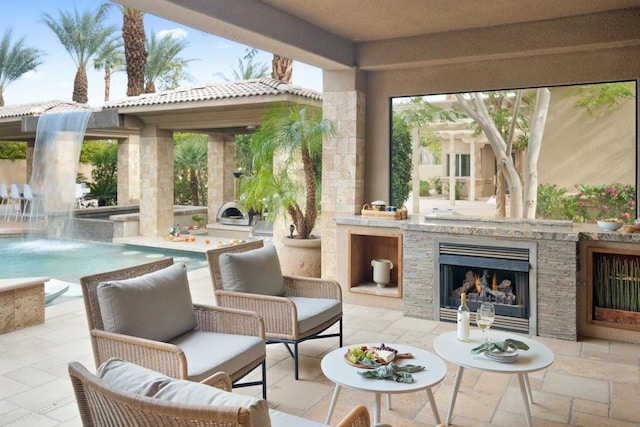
(129,170)
(31,146)
(342,157)
(221,163)
(156,181)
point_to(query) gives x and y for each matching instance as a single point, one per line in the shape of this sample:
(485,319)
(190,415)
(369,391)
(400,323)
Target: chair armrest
(218,380)
(228,320)
(279,314)
(357,417)
(162,357)
(310,287)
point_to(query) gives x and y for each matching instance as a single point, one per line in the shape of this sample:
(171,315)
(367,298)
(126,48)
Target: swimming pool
(68,260)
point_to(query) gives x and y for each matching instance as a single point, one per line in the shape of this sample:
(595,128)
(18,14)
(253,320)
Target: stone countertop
(21,282)
(489,227)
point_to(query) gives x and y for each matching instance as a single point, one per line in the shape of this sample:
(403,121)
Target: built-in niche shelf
(365,246)
(613,293)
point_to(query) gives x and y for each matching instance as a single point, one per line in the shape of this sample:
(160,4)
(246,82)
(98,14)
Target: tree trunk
(281,68)
(135,51)
(80,87)
(107,83)
(193,186)
(538,121)
(477,110)
(1,99)
(501,197)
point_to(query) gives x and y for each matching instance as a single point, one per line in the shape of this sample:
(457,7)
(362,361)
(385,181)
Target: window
(463,165)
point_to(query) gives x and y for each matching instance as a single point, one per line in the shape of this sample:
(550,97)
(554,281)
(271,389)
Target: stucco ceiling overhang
(376,35)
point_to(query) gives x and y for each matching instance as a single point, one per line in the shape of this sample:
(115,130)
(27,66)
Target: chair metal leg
(340,338)
(295,359)
(264,379)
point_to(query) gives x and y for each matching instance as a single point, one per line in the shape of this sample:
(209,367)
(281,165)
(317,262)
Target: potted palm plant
(285,168)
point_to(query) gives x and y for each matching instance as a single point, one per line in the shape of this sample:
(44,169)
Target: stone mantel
(559,270)
(508,228)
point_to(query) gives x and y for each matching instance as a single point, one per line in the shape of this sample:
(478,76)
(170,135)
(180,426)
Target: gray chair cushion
(136,379)
(256,272)
(156,306)
(211,352)
(315,311)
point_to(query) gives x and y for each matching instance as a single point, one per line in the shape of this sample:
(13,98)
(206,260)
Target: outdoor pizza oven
(232,213)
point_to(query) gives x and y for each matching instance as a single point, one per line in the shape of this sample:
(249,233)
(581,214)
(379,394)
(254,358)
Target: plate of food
(380,355)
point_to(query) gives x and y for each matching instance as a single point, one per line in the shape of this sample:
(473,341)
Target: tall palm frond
(110,58)
(247,69)
(15,60)
(163,59)
(82,36)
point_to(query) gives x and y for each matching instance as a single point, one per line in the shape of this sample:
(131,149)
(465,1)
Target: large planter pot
(301,257)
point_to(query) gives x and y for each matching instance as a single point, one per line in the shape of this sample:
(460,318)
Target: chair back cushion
(156,306)
(256,272)
(140,380)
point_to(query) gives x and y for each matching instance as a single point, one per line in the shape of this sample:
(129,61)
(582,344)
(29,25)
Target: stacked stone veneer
(21,304)
(556,271)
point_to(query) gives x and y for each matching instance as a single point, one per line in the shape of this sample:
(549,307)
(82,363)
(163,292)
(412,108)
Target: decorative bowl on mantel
(609,225)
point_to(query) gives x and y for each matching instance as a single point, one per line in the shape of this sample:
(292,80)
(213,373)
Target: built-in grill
(495,274)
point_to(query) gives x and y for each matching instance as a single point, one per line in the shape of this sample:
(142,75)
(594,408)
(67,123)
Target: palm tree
(164,63)
(15,60)
(190,162)
(247,69)
(294,135)
(82,36)
(281,68)
(135,50)
(110,57)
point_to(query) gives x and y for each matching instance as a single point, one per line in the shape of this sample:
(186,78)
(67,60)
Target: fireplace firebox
(495,274)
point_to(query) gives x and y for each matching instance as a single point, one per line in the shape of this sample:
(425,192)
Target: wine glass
(484,318)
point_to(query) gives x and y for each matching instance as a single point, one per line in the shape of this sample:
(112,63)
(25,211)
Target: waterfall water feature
(56,155)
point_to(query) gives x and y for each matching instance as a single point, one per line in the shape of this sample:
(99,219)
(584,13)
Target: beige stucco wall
(15,171)
(581,148)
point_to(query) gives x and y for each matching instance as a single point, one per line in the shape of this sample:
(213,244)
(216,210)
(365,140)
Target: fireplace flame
(477,283)
(494,284)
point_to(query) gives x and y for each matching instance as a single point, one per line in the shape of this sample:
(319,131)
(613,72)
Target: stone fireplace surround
(554,266)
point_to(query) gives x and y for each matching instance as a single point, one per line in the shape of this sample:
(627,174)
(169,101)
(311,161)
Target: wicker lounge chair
(103,404)
(291,317)
(222,339)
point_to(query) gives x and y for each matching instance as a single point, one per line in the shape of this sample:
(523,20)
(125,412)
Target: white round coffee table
(335,368)
(538,357)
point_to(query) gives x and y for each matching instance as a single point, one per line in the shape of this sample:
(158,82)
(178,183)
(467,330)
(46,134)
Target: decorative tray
(367,212)
(375,356)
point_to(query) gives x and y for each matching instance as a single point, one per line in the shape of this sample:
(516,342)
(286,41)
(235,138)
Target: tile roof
(238,89)
(38,108)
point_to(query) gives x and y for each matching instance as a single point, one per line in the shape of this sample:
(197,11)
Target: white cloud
(177,33)
(222,45)
(31,75)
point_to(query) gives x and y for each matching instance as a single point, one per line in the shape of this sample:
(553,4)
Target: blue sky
(53,79)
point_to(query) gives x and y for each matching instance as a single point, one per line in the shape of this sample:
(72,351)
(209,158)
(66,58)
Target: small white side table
(335,368)
(538,357)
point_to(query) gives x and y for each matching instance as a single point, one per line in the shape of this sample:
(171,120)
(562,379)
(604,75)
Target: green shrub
(424,188)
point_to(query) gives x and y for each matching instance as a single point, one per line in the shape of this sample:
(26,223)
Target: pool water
(68,260)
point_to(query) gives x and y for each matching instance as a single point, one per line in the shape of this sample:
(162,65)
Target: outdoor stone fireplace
(550,251)
(487,273)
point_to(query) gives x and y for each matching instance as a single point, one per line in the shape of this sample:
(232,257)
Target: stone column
(156,181)
(129,170)
(342,157)
(221,163)
(31,145)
